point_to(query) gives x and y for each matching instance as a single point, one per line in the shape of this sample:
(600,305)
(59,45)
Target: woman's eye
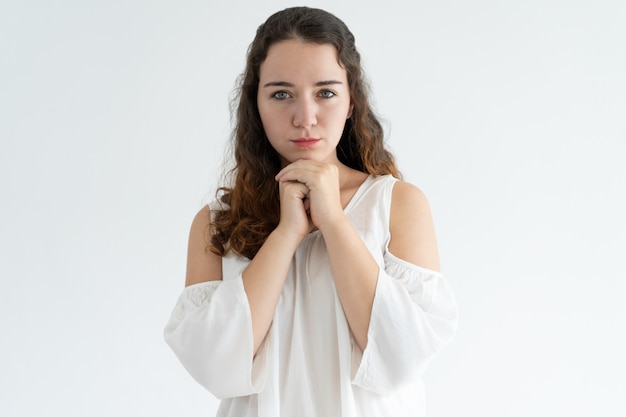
(280,95)
(326,94)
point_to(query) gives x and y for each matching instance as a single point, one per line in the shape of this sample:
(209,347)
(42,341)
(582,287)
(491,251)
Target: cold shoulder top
(309,364)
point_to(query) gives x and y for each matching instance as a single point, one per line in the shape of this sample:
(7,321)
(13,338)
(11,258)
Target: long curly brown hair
(250,209)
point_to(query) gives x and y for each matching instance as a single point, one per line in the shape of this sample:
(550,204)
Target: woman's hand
(321,182)
(294,218)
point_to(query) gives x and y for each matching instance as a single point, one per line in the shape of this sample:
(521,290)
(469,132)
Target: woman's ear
(350,110)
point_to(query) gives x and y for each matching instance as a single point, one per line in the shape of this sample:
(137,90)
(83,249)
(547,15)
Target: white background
(510,115)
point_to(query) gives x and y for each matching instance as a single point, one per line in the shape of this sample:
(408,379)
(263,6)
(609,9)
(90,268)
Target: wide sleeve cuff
(210,331)
(414,315)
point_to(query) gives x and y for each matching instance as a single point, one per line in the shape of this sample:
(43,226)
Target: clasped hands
(309,197)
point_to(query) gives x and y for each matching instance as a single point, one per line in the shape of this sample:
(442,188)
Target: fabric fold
(210,331)
(414,315)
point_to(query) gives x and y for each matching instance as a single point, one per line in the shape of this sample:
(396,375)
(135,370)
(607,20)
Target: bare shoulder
(202,264)
(407,195)
(411,225)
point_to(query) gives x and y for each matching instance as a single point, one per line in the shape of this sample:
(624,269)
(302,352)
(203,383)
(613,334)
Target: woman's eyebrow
(327,82)
(286,84)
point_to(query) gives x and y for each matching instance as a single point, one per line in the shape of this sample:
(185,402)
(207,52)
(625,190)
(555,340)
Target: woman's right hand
(294,217)
(264,278)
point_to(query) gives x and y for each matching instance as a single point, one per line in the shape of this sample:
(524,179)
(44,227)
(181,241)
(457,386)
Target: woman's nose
(305,114)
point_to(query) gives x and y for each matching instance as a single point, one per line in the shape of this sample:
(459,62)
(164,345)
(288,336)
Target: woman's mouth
(305,142)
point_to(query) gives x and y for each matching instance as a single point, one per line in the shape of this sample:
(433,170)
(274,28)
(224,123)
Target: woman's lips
(305,142)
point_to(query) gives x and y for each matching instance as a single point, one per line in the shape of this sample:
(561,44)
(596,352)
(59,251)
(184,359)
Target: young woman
(312,286)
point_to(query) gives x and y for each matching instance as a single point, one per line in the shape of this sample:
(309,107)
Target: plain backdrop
(510,115)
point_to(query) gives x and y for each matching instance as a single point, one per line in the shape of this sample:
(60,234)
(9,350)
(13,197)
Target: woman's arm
(202,264)
(265,276)
(399,315)
(218,325)
(356,271)
(411,225)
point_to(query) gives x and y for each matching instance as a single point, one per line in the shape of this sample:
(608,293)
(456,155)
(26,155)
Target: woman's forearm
(355,273)
(264,278)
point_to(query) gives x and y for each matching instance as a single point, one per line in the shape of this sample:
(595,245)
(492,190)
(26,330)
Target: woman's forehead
(295,59)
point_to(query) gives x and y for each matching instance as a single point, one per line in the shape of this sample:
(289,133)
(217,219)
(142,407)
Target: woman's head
(361,146)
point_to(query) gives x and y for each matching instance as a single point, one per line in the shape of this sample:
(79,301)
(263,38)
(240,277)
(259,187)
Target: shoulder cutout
(411,227)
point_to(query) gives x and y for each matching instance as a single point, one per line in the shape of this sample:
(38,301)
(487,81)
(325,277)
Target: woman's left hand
(322,180)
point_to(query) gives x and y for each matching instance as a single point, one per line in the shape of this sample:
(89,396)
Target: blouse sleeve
(414,315)
(210,331)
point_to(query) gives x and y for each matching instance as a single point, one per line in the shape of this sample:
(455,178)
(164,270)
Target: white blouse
(309,364)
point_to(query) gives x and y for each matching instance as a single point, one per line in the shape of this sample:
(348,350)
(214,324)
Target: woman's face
(303,100)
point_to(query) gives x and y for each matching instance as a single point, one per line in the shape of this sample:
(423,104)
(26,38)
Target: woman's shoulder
(393,198)
(202,264)
(399,191)
(202,219)
(411,226)
(406,193)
